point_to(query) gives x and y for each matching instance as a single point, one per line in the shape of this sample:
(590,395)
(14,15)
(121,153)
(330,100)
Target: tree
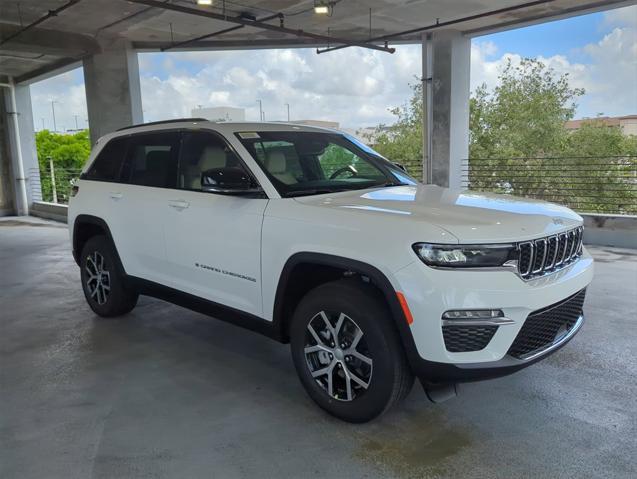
(525,115)
(402,141)
(519,142)
(69,154)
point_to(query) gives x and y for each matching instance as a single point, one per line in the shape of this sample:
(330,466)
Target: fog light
(464,314)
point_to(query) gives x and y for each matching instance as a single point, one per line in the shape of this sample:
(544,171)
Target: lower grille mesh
(542,328)
(462,339)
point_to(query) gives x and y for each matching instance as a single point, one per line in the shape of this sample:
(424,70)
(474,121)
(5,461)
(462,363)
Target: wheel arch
(87,226)
(286,297)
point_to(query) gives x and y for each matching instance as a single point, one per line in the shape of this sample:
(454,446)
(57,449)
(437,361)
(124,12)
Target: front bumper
(430,293)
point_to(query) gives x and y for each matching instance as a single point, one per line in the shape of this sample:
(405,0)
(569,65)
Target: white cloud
(353,86)
(609,75)
(67,90)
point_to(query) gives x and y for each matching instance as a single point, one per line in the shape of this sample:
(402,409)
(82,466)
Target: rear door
(213,240)
(148,176)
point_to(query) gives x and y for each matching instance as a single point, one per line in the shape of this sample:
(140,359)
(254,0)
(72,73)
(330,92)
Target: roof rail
(176,120)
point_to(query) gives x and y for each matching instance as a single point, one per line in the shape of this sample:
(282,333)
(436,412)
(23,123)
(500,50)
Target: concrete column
(113,94)
(20,145)
(451,66)
(7,189)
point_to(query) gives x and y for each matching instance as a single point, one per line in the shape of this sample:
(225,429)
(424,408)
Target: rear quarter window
(108,163)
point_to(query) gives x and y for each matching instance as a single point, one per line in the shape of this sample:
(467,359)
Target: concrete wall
(610,230)
(50,211)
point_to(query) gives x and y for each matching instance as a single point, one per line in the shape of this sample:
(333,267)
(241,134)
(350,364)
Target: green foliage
(525,114)
(402,141)
(68,152)
(519,143)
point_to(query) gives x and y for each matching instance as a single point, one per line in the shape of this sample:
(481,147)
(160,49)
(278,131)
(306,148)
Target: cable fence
(590,184)
(53,184)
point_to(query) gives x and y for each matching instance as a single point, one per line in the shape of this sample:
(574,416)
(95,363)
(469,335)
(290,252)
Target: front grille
(546,326)
(462,339)
(546,255)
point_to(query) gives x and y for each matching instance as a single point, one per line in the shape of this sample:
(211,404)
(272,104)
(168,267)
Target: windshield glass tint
(304,163)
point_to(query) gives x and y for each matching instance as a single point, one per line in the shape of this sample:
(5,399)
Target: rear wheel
(103,284)
(347,352)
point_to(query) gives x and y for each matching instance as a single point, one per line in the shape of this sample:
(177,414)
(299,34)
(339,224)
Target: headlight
(464,256)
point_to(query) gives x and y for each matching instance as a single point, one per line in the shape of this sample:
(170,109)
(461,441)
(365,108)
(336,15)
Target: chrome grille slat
(553,243)
(540,249)
(544,255)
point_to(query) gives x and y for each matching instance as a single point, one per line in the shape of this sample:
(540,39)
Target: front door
(213,241)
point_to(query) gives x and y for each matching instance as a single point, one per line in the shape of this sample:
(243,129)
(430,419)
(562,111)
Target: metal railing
(52,185)
(588,184)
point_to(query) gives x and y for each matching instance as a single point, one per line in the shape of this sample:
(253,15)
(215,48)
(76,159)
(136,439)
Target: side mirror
(401,166)
(227,181)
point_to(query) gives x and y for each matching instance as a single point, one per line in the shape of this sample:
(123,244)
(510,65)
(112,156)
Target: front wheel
(104,286)
(347,353)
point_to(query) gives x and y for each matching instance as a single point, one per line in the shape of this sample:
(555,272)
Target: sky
(357,87)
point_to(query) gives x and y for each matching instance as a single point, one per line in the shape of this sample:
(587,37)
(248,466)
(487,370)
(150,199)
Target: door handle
(178,204)
(115,195)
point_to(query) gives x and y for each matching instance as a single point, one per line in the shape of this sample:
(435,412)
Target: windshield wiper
(317,191)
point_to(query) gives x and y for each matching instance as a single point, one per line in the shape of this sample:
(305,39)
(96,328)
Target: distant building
(628,124)
(220,113)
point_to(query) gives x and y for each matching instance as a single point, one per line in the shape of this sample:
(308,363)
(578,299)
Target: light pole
(288,105)
(260,110)
(53,102)
(76,125)
(42,124)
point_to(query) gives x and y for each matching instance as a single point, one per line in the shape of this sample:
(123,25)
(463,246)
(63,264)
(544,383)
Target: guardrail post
(53,188)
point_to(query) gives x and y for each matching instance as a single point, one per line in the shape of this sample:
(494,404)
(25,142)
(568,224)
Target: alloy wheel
(337,355)
(98,279)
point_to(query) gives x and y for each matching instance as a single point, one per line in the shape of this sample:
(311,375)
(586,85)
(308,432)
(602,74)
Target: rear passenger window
(152,160)
(108,163)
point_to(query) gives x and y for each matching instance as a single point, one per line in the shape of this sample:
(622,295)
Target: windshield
(308,163)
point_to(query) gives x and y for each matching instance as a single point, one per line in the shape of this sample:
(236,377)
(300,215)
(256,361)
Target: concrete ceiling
(78,31)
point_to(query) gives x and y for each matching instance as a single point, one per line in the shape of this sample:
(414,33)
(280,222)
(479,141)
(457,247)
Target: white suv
(310,237)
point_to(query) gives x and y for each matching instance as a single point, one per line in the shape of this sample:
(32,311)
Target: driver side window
(202,151)
(336,158)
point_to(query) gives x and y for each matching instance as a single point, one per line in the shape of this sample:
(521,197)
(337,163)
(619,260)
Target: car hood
(469,216)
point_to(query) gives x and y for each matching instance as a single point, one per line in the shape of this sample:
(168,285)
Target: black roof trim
(177,120)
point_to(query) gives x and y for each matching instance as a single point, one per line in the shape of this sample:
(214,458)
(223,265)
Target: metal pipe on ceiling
(217,33)
(448,23)
(50,14)
(202,37)
(261,25)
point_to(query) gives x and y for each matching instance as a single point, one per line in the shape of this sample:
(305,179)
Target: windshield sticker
(249,135)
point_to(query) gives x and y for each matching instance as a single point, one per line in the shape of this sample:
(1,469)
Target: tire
(375,364)
(103,282)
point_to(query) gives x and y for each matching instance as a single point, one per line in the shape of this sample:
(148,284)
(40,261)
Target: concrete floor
(165,392)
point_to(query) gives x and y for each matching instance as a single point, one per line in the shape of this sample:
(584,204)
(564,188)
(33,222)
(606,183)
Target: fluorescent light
(204,2)
(321,9)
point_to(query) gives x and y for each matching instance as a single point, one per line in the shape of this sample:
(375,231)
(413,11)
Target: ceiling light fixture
(321,8)
(204,2)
